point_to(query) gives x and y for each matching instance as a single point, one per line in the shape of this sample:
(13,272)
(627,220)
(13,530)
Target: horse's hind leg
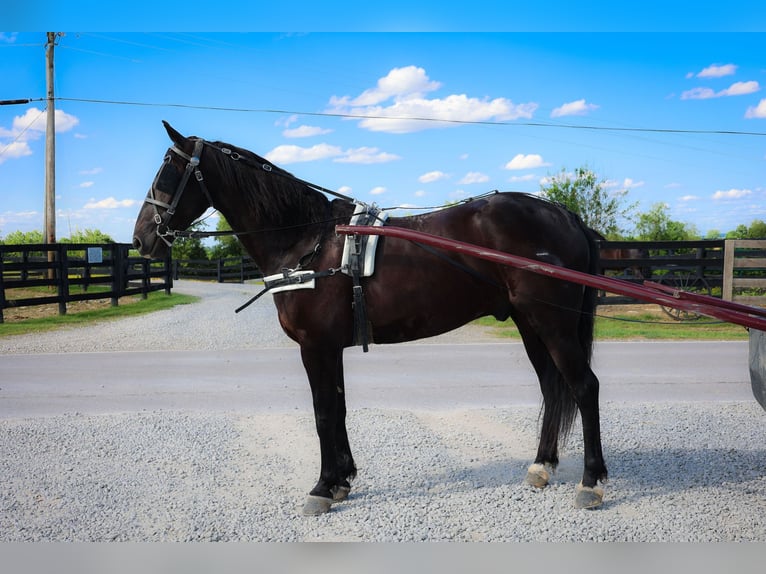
(547,458)
(567,384)
(576,371)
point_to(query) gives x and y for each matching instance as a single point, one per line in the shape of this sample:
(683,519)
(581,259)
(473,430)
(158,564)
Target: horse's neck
(273,245)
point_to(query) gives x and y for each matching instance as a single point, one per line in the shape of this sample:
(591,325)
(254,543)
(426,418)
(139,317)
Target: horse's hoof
(589,497)
(340,493)
(538,475)
(316,505)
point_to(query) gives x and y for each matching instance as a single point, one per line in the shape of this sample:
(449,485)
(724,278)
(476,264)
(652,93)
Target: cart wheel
(684,280)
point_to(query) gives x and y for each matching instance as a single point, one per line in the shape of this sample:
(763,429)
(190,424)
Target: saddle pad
(363,215)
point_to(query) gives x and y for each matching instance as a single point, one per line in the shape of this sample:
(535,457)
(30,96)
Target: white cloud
(698,94)
(628,183)
(576,108)
(717,71)
(34,122)
(14,150)
(688,198)
(731,194)
(285,154)
(399,104)
(30,127)
(474,177)
(526,177)
(741,89)
(410,80)
(305,132)
(110,203)
(758,111)
(86,184)
(736,89)
(528,161)
(17,217)
(420,193)
(366,155)
(433,176)
(377,190)
(93,171)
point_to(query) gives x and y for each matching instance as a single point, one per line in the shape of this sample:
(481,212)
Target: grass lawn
(39,318)
(642,322)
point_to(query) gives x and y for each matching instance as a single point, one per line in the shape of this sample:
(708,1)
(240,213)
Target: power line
(418,119)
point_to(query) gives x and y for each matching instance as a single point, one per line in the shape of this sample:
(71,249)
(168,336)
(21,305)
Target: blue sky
(519,107)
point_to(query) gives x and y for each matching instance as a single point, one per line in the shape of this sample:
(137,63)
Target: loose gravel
(679,471)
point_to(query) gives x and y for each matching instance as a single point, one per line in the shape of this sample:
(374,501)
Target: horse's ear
(176,137)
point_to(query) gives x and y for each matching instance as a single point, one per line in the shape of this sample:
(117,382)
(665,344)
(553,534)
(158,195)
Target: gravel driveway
(679,471)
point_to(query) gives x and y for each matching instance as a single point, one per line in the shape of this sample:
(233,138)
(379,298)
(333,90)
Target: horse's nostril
(137,244)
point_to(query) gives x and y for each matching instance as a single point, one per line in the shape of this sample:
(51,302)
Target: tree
(584,194)
(656,225)
(24,237)
(226,245)
(756,230)
(88,236)
(189,247)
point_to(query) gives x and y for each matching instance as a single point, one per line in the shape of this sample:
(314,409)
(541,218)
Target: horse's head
(163,211)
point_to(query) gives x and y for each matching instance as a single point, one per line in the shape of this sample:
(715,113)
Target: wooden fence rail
(744,276)
(234,269)
(65,272)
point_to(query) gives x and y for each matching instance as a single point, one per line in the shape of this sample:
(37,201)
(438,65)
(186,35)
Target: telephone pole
(49,234)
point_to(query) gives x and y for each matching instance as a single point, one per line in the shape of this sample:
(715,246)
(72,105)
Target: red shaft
(731,312)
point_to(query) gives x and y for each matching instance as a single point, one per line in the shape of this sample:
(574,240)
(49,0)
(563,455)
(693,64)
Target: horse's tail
(562,400)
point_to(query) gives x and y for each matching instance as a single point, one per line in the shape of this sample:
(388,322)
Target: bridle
(162,219)
(192,166)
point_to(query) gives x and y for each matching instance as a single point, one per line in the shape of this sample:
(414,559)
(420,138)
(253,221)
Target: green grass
(642,326)
(156,301)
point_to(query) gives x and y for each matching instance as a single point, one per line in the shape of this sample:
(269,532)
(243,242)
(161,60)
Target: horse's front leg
(324,368)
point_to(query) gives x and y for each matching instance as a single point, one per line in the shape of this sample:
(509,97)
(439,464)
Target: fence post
(63,277)
(168,273)
(2,289)
(727,293)
(117,275)
(219,267)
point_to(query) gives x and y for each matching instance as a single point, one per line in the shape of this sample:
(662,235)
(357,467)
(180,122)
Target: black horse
(415,292)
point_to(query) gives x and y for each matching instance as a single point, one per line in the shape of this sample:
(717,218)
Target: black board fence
(734,270)
(67,272)
(222,270)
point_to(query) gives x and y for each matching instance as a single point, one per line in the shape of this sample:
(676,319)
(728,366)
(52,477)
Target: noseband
(162,219)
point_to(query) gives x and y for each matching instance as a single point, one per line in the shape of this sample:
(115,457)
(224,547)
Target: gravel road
(679,471)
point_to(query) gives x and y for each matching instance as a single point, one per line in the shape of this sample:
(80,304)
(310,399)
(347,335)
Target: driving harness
(357,261)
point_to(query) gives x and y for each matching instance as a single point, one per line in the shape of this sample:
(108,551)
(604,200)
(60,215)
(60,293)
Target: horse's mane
(276,197)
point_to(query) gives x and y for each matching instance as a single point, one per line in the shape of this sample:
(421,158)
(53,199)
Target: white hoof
(538,475)
(316,505)
(587,497)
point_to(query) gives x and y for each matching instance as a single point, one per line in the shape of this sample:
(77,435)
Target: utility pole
(49,234)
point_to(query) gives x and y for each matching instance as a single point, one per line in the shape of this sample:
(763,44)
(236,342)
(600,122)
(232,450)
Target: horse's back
(517,223)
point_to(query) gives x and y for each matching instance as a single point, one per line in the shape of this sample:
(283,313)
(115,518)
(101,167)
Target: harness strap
(288,278)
